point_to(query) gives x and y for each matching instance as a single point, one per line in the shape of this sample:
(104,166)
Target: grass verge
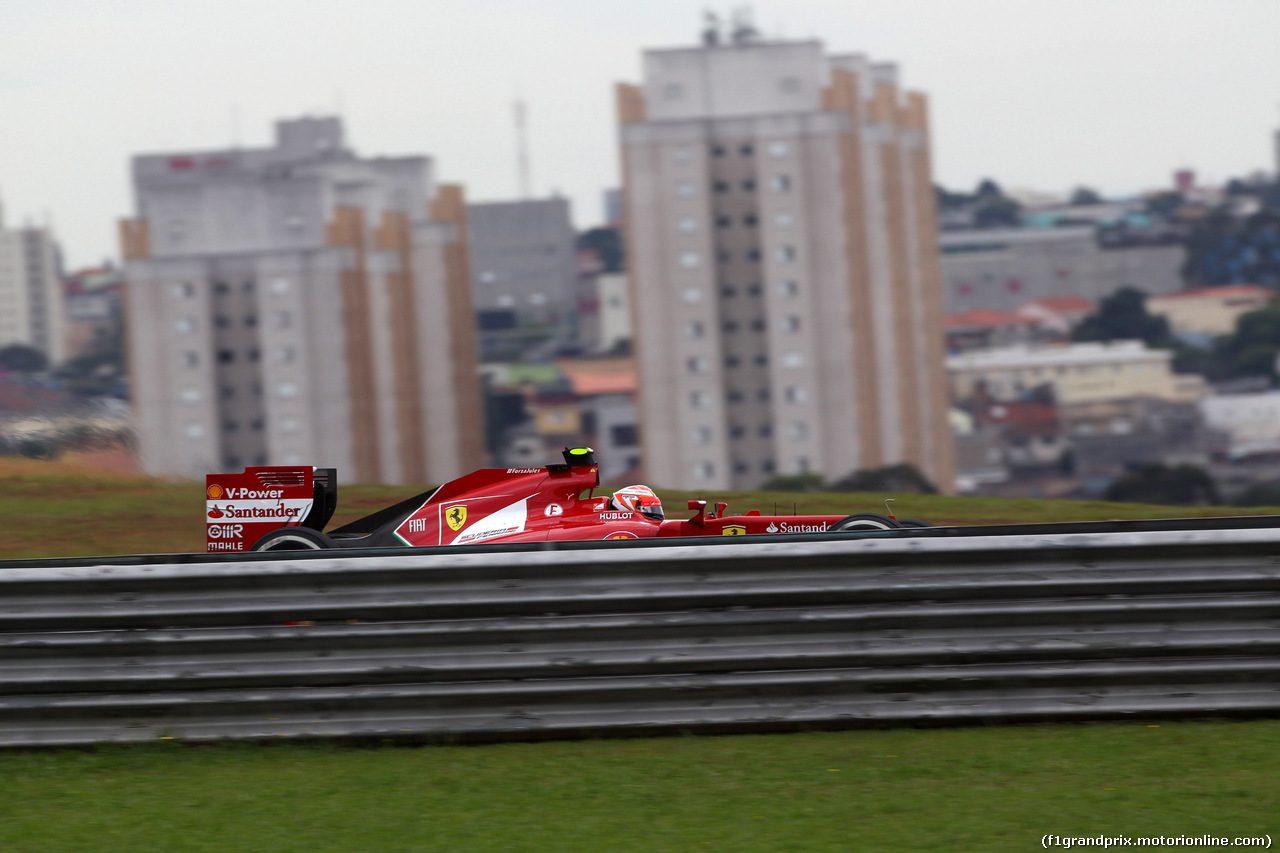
(939,789)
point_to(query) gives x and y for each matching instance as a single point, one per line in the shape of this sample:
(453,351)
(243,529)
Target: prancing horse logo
(456,516)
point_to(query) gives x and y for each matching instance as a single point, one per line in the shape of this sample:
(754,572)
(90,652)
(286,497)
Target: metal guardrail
(734,635)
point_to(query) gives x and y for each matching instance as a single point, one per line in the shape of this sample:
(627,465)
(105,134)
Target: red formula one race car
(286,509)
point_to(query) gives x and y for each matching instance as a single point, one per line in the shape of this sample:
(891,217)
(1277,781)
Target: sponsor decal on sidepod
(258,510)
(796,528)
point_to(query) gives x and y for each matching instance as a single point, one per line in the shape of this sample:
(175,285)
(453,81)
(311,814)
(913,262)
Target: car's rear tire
(864,521)
(293,539)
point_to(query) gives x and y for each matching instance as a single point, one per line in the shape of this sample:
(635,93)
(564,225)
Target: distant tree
(988,188)
(1251,350)
(1164,204)
(1123,316)
(948,200)
(903,477)
(793,483)
(1083,195)
(23,359)
(1259,494)
(1185,485)
(607,244)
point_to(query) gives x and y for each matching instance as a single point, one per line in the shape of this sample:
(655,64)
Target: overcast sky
(1113,94)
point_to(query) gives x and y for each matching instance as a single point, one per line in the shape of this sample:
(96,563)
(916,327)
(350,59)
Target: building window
(790,85)
(230,426)
(280,285)
(802,464)
(778,148)
(226,356)
(766,430)
(699,399)
(249,286)
(746,149)
(785,254)
(689,260)
(720,186)
(184,290)
(728,291)
(624,435)
(724,221)
(702,435)
(782,219)
(287,389)
(754,289)
(694,329)
(734,396)
(704,470)
(767,466)
(286,355)
(737,431)
(793,360)
(749,185)
(697,364)
(798,430)
(729,326)
(717,150)
(185,325)
(789,288)
(750,220)
(692,295)
(289,425)
(753,255)
(687,225)
(221,287)
(762,395)
(189,395)
(781,183)
(792,323)
(682,153)
(795,394)
(724,256)
(684,189)
(283,320)
(762,359)
(673,91)
(191,358)
(757,324)
(194,431)
(222,321)
(741,467)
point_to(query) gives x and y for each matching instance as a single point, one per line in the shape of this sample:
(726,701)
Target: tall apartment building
(782,249)
(524,273)
(298,304)
(31,306)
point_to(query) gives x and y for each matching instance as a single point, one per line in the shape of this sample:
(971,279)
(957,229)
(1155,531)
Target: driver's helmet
(639,499)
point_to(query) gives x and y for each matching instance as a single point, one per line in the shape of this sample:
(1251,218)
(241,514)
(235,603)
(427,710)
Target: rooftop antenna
(710,28)
(522,149)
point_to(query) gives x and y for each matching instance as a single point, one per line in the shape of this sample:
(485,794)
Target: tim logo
(455,517)
(734,530)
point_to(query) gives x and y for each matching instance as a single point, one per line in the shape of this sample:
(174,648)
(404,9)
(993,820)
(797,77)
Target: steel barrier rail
(733,635)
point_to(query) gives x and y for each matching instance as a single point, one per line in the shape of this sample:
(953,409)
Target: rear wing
(241,508)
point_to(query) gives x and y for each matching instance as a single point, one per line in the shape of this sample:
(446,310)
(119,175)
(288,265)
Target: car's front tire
(293,539)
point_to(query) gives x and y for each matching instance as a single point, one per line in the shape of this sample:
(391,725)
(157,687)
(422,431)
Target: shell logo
(215,492)
(622,534)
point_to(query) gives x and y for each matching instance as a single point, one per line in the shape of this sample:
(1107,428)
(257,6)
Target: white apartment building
(782,256)
(31,304)
(1079,373)
(298,304)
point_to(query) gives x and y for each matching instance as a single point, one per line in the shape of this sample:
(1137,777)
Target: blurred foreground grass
(991,788)
(56,509)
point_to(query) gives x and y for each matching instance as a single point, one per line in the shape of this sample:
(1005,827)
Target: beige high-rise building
(298,304)
(31,299)
(782,249)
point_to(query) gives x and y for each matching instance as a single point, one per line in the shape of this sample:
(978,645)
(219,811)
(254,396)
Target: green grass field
(988,788)
(998,788)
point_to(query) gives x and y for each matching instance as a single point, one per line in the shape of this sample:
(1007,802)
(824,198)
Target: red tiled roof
(987,317)
(587,384)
